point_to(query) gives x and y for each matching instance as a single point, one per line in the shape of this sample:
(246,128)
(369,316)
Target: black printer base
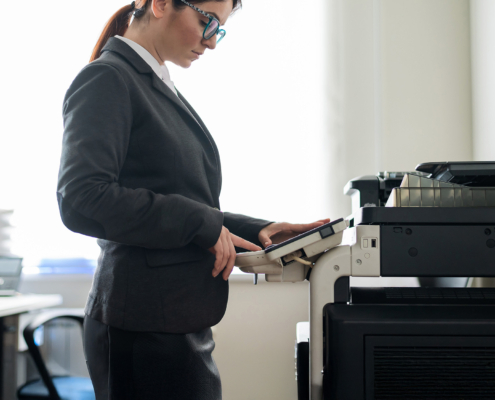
(420,351)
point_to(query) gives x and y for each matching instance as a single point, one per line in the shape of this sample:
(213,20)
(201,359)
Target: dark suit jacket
(140,171)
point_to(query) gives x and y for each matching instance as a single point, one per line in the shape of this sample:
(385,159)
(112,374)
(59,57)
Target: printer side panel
(438,250)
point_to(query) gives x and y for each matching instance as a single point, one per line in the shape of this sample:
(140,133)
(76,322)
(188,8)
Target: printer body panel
(352,334)
(437,250)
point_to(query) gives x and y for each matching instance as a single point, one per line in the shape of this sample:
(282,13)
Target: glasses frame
(219,31)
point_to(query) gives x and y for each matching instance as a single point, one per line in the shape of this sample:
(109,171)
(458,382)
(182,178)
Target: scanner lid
(468,173)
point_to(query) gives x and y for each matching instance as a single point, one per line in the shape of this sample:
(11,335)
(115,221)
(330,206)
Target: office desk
(10,308)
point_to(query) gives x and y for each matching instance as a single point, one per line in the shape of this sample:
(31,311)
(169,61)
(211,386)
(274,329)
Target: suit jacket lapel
(203,127)
(194,114)
(208,137)
(159,85)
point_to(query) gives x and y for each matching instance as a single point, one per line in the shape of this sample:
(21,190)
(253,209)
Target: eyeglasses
(213,26)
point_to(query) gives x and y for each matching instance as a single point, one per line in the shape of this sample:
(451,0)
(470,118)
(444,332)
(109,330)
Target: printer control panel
(288,261)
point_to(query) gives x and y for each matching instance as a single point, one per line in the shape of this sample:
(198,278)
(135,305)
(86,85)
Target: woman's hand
(225,252)
(281,231)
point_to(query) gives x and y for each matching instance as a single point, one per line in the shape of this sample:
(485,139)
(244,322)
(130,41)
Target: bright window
(261,93)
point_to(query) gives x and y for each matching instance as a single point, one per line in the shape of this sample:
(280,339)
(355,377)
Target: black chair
(53,387)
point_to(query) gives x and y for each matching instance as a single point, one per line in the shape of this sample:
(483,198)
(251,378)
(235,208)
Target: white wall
(483,78)
(256,338)
(399,87)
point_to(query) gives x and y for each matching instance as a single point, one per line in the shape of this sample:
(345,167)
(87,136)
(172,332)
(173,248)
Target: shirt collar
(165,73)
(160,70)
(146,56)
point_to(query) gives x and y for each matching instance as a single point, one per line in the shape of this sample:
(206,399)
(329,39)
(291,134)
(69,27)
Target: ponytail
(118,24)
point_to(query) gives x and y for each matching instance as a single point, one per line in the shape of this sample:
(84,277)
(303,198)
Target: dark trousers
(126,365)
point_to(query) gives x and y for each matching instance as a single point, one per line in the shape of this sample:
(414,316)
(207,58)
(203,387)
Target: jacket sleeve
(245,227)
(97,127)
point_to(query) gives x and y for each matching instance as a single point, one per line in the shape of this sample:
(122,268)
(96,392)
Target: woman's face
(179,33)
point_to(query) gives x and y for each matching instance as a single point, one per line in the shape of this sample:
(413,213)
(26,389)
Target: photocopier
(376,343)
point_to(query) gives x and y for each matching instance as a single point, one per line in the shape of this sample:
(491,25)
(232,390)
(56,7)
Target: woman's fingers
(218,251)
(265,238)
(281,231)
(300,228)
(225,254)
(267,242)
(267,232)
(230,264)
(240,242)
(221,259)
(221,251)
(226,250)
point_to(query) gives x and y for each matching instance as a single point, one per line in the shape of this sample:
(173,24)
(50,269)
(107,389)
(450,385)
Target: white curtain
(483,73)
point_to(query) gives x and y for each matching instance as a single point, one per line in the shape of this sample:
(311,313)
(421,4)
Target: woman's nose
(211,43)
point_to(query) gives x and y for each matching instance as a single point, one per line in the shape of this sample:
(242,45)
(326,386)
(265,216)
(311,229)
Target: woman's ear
(158,7)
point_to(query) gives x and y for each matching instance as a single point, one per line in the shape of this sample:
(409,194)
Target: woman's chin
(186,63)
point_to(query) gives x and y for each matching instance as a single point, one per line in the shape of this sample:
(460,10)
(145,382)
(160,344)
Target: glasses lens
(211,29)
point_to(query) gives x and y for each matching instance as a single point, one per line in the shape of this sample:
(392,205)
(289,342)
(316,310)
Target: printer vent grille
(434,372)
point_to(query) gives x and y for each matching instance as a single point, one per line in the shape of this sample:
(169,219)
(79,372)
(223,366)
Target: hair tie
(133,5)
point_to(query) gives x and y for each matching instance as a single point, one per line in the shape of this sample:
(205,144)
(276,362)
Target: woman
(140,171)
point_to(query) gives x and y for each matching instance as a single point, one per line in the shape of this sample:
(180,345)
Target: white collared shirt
(160,70)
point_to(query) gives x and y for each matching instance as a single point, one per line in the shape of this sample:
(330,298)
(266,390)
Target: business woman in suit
(141,172)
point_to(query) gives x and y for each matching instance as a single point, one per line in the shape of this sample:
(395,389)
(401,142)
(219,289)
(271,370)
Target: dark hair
(119,22)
